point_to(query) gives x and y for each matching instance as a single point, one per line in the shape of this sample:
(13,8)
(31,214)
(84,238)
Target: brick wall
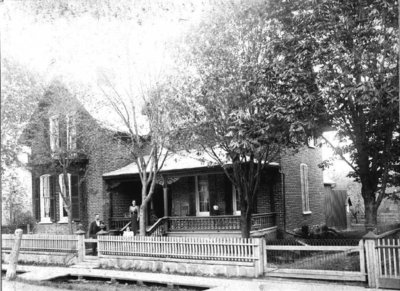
(121,197)
(109,157)
(290,164)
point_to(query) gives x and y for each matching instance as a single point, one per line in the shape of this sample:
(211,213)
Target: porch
(221,225)
(193,199)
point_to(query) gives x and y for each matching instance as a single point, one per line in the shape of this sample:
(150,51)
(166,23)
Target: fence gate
(388,250)
(316,260)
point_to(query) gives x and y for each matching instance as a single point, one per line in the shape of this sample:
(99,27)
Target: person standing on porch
(94,228)
(134,211)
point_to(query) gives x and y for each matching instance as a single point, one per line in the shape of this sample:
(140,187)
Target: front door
(202,196)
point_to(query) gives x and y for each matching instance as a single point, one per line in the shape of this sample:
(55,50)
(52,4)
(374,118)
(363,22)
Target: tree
(233,106)
(14,204)
(145,121)
(19,92)
(349,49)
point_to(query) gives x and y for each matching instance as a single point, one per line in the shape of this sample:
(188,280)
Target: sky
(85,51)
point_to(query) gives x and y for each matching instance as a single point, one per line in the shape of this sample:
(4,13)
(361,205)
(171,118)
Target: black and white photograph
(190,145)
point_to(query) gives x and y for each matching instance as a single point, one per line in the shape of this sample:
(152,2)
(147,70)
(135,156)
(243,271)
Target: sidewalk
(38,273)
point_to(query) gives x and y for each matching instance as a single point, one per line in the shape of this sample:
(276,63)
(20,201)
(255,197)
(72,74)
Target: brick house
(45,133)
(193,197)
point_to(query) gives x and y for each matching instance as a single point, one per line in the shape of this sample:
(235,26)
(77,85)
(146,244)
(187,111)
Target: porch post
(165,192)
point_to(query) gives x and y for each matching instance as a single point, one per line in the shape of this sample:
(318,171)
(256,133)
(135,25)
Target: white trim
(198,212)
(234,202)
(45,185)
(63,219)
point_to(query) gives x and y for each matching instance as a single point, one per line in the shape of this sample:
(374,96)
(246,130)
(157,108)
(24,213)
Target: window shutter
(36,199)
(75,201)
(53,191)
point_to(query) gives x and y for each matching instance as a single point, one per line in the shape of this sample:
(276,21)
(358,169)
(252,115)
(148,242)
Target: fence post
(372,259)
(259,257)
(13,258)
(81,245)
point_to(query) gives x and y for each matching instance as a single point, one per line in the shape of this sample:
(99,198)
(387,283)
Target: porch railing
(119,222)
(198,223)
(218,223)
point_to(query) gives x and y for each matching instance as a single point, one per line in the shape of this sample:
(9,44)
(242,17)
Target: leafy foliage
(234,105)
(20,90)
(350,50)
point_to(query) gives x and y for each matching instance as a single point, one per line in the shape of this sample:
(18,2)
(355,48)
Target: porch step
(87,264)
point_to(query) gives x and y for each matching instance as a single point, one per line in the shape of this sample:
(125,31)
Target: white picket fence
(219,249)
(42,243)
(388,250)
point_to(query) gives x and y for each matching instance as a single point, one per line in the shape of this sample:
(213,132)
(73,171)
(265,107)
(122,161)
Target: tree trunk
(69,211)
(142,219)
(371,214)
(245,224)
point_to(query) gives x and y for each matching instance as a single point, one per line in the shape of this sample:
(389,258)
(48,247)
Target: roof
(174,162)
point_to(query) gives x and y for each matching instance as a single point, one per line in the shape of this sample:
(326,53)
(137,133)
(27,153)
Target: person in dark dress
(134,211)
(94,228)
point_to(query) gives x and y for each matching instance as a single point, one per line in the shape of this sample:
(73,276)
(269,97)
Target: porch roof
(174,162)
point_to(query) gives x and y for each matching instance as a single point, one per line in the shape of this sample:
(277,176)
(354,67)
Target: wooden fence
(332,262)
(219,249)
(42,243)
(389,262)
(383,259)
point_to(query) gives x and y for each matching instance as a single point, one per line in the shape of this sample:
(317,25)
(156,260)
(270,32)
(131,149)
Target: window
(235,201)
(71,133)
(202,196)
(304,188)
(311,141)
(45,198)
(63,213)
(54,133)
